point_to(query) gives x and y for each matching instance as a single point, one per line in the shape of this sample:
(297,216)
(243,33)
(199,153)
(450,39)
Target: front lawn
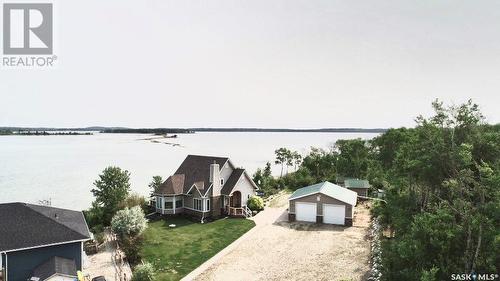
(175,252)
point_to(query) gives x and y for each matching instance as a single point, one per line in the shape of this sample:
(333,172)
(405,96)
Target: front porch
(234,208)
(238,211)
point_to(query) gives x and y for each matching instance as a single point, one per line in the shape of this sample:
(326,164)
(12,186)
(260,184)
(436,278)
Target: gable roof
(55,265)
(196,169)
(356,183)
(173,185)
(26,226)
(194,173)
(232,181)
(328,189)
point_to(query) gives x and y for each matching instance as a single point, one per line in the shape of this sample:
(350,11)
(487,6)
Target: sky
(259,63)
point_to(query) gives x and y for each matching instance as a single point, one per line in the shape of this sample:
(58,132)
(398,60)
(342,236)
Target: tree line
(441,181)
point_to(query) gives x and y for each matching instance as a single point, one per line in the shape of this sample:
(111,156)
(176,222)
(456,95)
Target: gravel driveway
(278,250)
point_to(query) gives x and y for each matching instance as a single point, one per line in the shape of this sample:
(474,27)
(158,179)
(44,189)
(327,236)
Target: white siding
(246,188)
(226,171)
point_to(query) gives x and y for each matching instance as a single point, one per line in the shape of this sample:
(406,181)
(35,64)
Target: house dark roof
(173,185)
(55,265)
(232,181)
(196,169)
(25,225)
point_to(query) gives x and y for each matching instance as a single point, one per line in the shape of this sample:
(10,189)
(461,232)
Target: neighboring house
(34,238)
(322,203)
(359,186)
(206,186)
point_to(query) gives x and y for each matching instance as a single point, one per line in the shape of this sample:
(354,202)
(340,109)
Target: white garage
(323,203)
(333,214)
(306,211)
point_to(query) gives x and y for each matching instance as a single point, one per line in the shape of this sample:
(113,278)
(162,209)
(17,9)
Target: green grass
(175,252)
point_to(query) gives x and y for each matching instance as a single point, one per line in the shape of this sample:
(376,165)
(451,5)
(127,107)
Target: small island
(43,133)
(156,131)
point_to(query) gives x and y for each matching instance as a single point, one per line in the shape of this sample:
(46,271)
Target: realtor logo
(27,29)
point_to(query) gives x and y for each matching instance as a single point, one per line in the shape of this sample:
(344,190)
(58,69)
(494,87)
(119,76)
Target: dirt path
(278,250)
(105,263)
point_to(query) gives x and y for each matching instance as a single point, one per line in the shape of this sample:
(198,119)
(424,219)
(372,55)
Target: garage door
(305,211)
(333,214)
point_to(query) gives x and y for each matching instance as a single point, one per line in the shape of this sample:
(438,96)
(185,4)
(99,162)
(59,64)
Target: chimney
(215,178)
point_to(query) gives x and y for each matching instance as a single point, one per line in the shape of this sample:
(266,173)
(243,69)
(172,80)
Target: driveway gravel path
(278,250)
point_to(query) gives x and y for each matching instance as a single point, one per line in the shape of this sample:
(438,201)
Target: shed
(359,186)
(323,203)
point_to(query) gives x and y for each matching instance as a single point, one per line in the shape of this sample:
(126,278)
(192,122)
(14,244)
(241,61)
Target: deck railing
(239,211)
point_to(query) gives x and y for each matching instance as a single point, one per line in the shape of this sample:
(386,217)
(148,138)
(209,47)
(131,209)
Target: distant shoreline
(44,133)
(158,131)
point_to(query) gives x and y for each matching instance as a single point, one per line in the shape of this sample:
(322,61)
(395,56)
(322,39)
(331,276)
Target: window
(169,205)
(178,203)
(207,205)
(221,181)
(201,205)
(158,202)
(197,204)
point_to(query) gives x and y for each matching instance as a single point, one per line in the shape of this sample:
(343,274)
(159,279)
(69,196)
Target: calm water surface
(63,168)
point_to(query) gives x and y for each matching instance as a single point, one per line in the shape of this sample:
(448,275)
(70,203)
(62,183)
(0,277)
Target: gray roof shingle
(25,225)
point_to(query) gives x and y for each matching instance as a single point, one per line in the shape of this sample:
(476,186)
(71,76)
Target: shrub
(129,222)
(131,246)
(99,237)
(133,200)
(97,229)
(143,272)
(255,203)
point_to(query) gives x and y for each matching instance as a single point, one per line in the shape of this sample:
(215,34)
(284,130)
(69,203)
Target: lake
(63,168)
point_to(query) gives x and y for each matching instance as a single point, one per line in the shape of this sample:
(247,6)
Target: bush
(129,222)
(133,200)
(131,246)
(143,272)
(255,203)
(97,229)
(99,237)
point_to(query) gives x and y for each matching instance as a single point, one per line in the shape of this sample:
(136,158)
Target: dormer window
(221,182)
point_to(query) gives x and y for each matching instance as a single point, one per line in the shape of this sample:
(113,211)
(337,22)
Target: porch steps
(247,212)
